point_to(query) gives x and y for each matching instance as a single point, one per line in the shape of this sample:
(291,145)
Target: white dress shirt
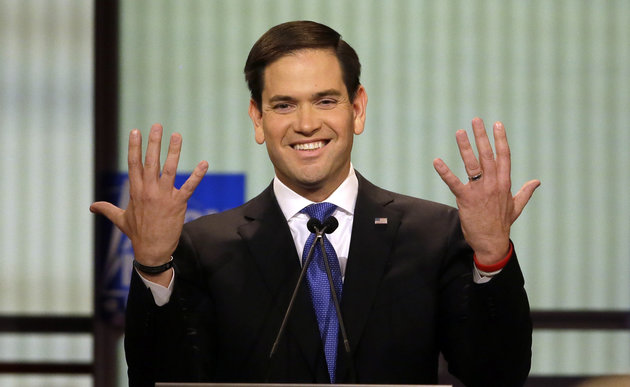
(344,197)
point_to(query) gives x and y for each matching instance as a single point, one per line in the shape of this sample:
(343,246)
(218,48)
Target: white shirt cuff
(482,277)
(161,294)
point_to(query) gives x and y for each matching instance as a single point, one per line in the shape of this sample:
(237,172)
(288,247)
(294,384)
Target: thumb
(522,197)
(110,211)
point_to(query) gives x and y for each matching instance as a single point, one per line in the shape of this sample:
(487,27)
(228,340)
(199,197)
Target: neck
(317,191)
(315,194)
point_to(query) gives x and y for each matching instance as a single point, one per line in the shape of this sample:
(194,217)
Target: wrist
(489,268)
(163,279)
(153,270)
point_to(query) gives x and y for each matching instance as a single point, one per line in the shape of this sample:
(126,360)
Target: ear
(359,106)
(256,115)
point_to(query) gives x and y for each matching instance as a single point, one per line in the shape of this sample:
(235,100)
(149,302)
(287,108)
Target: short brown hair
(289,37)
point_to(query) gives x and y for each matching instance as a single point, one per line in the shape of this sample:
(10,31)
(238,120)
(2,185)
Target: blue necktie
(320,288)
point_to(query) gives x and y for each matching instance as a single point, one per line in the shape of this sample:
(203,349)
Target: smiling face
(308,122)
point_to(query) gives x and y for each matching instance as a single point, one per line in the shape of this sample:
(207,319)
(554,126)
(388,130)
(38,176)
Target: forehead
(303,71)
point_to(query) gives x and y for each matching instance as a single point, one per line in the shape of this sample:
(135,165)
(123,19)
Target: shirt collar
(344,197)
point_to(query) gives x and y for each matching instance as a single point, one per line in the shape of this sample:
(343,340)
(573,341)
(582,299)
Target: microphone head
(314,225)
(330,224)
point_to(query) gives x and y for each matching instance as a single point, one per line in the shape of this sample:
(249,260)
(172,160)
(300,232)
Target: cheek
(274,141)
(345,129)
(274,129)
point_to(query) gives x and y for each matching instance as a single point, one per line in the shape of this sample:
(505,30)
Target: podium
(289,385)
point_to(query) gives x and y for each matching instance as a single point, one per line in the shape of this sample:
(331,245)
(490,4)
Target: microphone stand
(342,328)
(314,223)
(315,226)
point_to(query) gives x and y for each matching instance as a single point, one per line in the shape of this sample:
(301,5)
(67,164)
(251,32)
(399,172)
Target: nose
(308,120)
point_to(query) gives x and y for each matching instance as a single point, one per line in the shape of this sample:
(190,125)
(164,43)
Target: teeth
(309,146)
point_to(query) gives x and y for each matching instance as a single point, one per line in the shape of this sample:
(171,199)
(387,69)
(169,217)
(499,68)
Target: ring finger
(473,168)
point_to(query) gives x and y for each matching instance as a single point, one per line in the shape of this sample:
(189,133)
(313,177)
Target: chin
(311,182)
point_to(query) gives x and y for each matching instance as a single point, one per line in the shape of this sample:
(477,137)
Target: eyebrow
(319,94)
(329,92)
(278,98)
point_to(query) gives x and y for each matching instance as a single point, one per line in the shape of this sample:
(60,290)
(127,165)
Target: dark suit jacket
(408,295)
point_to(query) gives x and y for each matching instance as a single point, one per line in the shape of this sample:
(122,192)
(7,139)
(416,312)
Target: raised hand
(154,218)
(487,208)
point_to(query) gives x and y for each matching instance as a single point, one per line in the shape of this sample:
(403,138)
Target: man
(208,298)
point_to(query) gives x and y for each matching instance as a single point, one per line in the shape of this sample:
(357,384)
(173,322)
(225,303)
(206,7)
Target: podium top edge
(170,384)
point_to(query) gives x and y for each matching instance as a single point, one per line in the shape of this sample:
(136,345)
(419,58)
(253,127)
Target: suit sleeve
(487,330)
(171,342)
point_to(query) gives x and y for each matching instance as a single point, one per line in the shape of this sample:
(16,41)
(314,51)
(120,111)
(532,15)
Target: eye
(327,103)
(282,107)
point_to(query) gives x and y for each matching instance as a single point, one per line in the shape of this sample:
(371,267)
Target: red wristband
(497,266)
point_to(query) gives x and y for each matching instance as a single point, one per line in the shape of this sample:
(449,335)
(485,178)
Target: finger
(486,155)
(111,212)
(193,180)
(134,162)
(503,157)
(152,158)
(522,197)
(468,155)
(172,160)
(484,148)
(453,183)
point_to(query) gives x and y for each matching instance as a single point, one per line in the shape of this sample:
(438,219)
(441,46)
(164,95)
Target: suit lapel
(273,250)
(269,240)
(369,253)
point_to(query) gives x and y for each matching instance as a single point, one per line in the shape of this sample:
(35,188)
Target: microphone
(314,225)
(329,225)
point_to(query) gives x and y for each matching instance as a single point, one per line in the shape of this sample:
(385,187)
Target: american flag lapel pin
(380,220)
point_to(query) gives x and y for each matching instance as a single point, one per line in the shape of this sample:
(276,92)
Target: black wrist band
(153,269)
